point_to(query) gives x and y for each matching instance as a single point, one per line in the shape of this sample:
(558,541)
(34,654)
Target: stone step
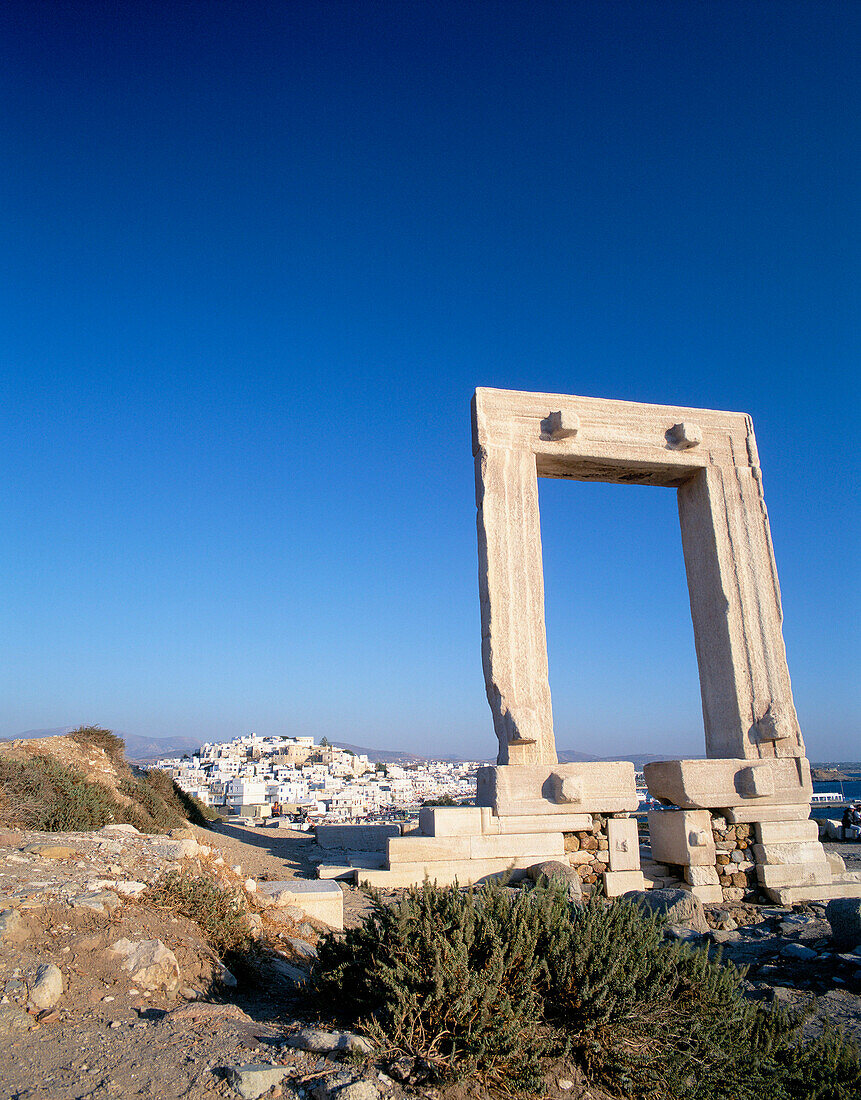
(793,895)
(799,874)
(423,849)
(465,872)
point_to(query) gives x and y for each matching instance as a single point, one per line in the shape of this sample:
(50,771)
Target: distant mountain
(384,756)
(571,756)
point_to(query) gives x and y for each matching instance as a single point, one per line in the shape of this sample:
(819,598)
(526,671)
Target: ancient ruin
(756,773)
(732,823)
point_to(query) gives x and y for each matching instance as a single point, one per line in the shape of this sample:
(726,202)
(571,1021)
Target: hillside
(81,780)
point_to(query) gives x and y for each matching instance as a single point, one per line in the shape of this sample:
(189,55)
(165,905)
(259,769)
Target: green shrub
(220,912)
(447,976)
(482,982)
(44,794)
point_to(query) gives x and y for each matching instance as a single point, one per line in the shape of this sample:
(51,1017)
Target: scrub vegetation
(491,982)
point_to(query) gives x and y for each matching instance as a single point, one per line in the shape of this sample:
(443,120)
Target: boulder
(47,989)
(679,907)
(252,1081)
(149,964)
(844,916)
(550,869)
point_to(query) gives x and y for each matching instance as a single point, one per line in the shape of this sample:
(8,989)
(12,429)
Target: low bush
(220,912)
(448,976)
(483,982)
(658,1019)
(46,795)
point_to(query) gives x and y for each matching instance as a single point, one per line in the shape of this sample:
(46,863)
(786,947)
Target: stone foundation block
(789,874)
(465,872)
(682,836)
(718,784)
(450,820)
(624,844)
(510,845)
(617,883)
(539,823)
(781,832)
(743,815)
(795,895)
(527,789)
(413,849)
(709,895)
(701,876)
(808,851)
(356,838)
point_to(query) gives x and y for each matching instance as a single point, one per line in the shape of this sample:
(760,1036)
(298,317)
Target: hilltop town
(301,782)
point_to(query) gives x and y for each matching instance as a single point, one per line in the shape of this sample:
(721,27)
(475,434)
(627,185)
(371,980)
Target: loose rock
(149,963)
(47,989)
(252,1081)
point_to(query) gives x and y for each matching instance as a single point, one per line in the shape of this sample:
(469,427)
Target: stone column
(735,606)
(511,587)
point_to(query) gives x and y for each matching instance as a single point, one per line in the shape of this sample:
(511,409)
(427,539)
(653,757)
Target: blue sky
(257,256)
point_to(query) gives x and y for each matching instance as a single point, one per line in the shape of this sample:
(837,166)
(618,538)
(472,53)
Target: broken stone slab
(319,899)
(722,784)
(292,976)
(358,1090)
(149,963)
(100,901)
(51,851)
(14,1019)
(678,907)
(303,949)
(47,988)
(253,1080)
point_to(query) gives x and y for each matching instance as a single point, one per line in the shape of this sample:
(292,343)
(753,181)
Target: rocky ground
(106,995)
